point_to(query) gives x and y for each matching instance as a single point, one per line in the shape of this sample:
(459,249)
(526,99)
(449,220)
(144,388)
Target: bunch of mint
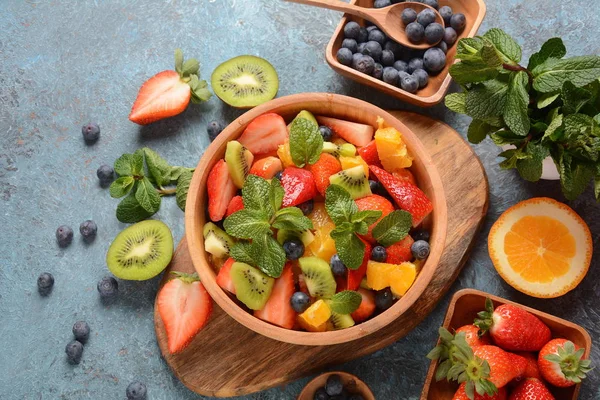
(143,177)
(551,108)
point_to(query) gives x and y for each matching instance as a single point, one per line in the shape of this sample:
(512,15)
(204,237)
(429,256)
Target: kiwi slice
(238,159)
(216,241)
(337,150)
(245,81)
(306,236)
(341,321)
(252,287)
(140,251)
(354,180)
(318,277)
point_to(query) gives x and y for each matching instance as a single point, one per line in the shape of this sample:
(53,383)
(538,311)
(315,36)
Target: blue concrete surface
(64,63)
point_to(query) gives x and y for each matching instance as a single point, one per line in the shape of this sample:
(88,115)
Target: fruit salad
(316,224)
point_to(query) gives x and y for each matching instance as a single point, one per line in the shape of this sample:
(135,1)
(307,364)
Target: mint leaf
(345,302)
(546,99)
(367,216)
(472,71)
(574,175)
(344,227)
(242,252)
(490,55)
(276,194)
(553,128)
(183,185)
(360,227)
(469,46)
(503,137)
(291,218)
(530,169)
(512,156)
(517,102)
(339,204)
(158,168)
(121,186)
(505,44)
(478,130)
(247,224)
(486,99)
(392,228)
(130,211)
(176,172)
(574,98)
(553,73)
(306,143)
(597,187)
(553,48)
(255,195)
(268,255)
(349,247)
(130,164)
(582,134)
(456,102)
(147,195)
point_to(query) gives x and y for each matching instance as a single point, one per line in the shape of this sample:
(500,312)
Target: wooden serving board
(221,361)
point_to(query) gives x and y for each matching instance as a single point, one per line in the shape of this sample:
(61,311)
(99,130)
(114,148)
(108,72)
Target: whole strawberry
(512,328)
(531,389)
(532,370)
(472,336)
(561,363)
(503,366)
(461,394)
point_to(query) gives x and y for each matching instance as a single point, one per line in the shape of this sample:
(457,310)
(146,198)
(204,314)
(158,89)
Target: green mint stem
(166,192)
(517,68)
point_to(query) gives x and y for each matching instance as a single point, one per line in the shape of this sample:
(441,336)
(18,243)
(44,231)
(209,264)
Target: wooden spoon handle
(337,6)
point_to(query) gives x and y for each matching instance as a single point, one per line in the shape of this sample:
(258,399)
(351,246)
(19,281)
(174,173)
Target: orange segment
(402,278)
(323,245)
(378,274)
(283,152)
(350,162)
(392,150)
(315,318)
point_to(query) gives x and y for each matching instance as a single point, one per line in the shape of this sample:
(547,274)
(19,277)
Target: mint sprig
(306,143)
(345,302)
(392,228)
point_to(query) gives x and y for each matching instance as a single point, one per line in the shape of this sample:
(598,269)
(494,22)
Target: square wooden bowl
(438,85)
(463,309)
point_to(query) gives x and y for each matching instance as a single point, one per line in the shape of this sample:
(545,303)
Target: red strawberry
(355,276)
(266,167)
(513,328)
(561,363)
(220,189)
(236,204)
(278,309)
(340,283)
(461,394)
(355,133)
(532,370)
(531,389)
(504,366)
(369,154)
(326,166)
(472,337)
(366,308)
(224,277)
(406,175)
(264,134)
(400,252)
(184,307)
(299,186)
(406,195)
(377,203)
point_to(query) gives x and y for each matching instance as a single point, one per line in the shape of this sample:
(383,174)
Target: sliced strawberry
(341,283)
(326,166)
(406,175)
(366,308)
(299,186)
(278,309)
(236,204)
(184,307)
(369,154)
(266,167)
(376,203)
(355,276)
(355,133)
(406,195)
(264,134)
(224,276)
(400,252)
(221,190)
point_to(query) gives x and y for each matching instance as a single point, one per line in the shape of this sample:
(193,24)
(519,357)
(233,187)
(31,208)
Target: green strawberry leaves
(189,71)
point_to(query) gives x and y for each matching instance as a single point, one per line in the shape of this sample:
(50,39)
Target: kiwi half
(318,277)
(140,251)
(252,287)
(245,81)
(216,241)
(341,321)
(238,159)
(337,150)
(354,180)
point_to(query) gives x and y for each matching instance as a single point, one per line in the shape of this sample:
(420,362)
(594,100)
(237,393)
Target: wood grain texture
(222,360)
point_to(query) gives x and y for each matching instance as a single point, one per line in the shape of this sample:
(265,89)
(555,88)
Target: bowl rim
(305,393)
(207,274)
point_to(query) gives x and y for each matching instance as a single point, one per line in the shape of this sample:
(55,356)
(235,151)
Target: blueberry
(356,57)
(414,64)
(426,17)
(408,15)
(90,132)
(45,283)
(390,75)
(409,83)
(431,3)
(377,188)
(371,27)
(420,249)
(366,64)
(321,394)
(450,36)
(74,352)
(363,35)
(442,46)
(458,22)
(401,65)
(434,33)
(337,266)
(373,49)
(377,36)
(88,230)
(351,30)
(434,60)
(344,56)
(421,235)
(279,175)
(384,299)
(334,385)
(394,47)
(378,254)
(294,248)
(421,76)
(64,235)
(81,331)
(307,206)
(300,302)
(381,3)
(414,32)
(387,58)
(446,13)
(108,287)
(402,75)
(214,128)
(105,174)
(136,391)
(378,71)
(350,44)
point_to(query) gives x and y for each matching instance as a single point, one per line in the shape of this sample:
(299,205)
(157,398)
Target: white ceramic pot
(549,171)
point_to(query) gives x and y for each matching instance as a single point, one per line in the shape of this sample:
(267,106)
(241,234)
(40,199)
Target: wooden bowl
(438,85)
(463,309)
(355,385)
(333,106)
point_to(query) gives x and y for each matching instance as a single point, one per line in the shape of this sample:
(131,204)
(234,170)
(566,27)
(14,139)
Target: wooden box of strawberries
(496,346)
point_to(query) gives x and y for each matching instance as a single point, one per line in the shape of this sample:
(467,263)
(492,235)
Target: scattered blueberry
(378,71)
(294,248)
(363,35)
(373,49)
(422,77)
(431,3)
(279,175)
(377,188)
(300,302)
(384,299)
(344,56)
(366,64)
(81,331)
(381,3)
(387,58)
(377,36)
(321,394)
(309,205)
(64,235)
(434,60)
(458,22)
(415,32)
(74,352)
(334,385)
(337,266)
(352,30)
(108,287)
(426,17)
(450,36)
(409,83)
(442,46)
(88,230)
(378,254)
(401,65)
(214,128)
(394,47)
(420,249)
(390,75)
(446,13)
(408,15)
(90,132)
(106,175)
(45,283)
(414,64)
(350,44)
(421,235)
(434,33)
(136,391)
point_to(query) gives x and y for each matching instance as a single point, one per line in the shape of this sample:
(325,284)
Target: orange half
(541,247)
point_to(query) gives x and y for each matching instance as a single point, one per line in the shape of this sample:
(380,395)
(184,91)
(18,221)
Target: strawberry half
(355,133)
(366,308)
(168,93)
(184,307)
(369,154)
(376,203)
(266,167)
(561,363)
(531,389)
(355,276)
(299,186)
(224,276)
(236,204)
(278,309)
(400,252)
(221,190)
(264,134)
(325,166)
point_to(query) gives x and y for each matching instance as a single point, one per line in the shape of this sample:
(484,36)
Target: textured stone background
(63,63)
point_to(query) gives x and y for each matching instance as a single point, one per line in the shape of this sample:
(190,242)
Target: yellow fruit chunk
(378,274)
(315,318)
(541,247)
(350,162)
(392,150)
(283,152)
(402,278)
(323,246)
(319,216)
